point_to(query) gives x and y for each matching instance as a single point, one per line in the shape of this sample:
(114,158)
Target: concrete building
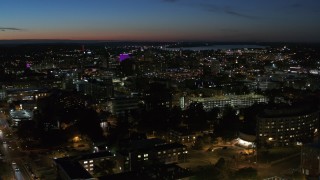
(101,89)
(184,137)
(140,153)
(82,166)
(121,105)
(236,101)
(71,170)
(3,94)
(287,125)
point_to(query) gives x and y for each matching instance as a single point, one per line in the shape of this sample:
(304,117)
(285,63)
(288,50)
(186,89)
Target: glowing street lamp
(76,139)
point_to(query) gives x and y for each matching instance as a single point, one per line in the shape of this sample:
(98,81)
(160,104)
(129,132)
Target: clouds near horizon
(10,29)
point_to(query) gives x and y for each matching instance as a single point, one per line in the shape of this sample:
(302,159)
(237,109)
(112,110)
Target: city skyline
(161,20)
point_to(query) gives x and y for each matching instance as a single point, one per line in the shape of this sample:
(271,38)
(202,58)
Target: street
(19,164)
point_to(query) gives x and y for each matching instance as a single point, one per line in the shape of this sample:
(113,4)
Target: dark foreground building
(310,161)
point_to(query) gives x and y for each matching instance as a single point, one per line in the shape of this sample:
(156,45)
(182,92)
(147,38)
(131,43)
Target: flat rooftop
(73,169)
(21,114)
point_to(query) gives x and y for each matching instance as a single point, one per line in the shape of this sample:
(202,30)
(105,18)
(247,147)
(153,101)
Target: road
(5,148)
(196,158)
(11,152)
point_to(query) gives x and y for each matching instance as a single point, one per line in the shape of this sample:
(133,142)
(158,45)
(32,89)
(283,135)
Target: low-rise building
(71,170)
(89,161)
(185,136)
(83,166)
(236,101)
(140,153)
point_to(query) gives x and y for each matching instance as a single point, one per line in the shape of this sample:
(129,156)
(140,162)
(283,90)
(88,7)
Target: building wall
(89,164)
(237,101)
(287,130)
(169,155)
(185,139)
(121,105)
(3,94)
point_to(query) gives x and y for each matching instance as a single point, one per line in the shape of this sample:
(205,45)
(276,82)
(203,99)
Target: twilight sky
(164,20)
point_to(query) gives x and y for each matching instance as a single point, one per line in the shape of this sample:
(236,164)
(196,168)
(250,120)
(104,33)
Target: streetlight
(76,139)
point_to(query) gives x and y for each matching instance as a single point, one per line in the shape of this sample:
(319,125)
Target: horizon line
(158,41)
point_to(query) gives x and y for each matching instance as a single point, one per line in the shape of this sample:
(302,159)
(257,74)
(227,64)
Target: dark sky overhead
(164,20)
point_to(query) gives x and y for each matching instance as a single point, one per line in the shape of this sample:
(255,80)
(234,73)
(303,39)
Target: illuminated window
(85,162)
(91,165)
(139,156)
(91,161)
(145,155)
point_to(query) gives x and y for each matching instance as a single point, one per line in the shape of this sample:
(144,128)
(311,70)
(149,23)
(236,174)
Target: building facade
(121,105)
(142,153)
(287,126)
(236,101)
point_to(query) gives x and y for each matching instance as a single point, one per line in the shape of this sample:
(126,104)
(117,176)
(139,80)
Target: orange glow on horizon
(91,35)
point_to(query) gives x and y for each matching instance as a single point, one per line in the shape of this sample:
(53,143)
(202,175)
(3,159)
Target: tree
(175,117)
(26,129)
(229,124)
(199,144)
(88,123)
(212,115)
(196,116)
(72,112)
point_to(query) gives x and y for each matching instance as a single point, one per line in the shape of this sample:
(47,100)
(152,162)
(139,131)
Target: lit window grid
(288,129)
